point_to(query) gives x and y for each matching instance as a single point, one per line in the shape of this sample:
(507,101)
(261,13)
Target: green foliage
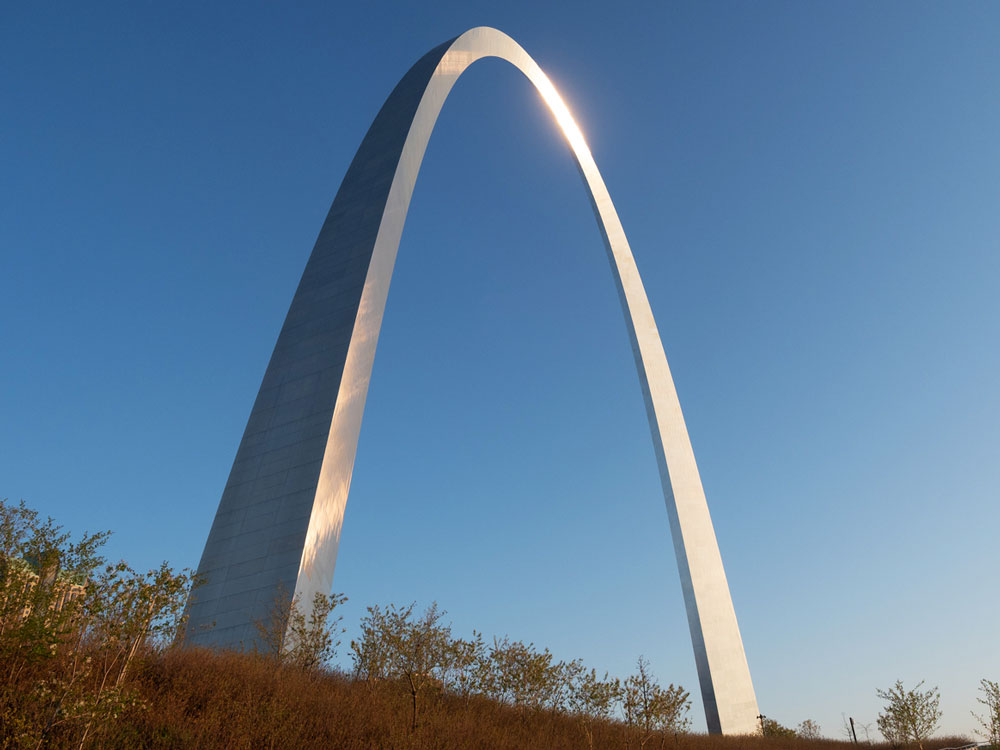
(465,673)
(771,728)
(909,715)
(418,652)
(369,652)
(650,708)
(590,698)
(518,674)
(41,570)
(989,722)
(589,695)
(87,659)
(73,629)
(808,730)
(84,646)
(218,700)
(305,640)
(396,644)
(313,639)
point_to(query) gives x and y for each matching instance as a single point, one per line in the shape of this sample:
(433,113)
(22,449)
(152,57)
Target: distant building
(19,580)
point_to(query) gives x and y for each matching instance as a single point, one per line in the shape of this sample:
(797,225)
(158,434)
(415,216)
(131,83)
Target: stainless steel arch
(279,520)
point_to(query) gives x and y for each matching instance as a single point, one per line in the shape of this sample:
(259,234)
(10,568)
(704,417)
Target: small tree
(464,672)
(72,630)
(42,578)
(990,722)
(867,729)
(909,715)
(127,613)
(44,590)
(771,728)
(649,708)
(845,728)
(370,652)
(293,637)
(590,698)
(852,734)
(808,730)
(397,644)
(517,673)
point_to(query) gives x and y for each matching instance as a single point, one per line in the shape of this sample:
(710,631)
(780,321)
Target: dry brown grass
(205,700)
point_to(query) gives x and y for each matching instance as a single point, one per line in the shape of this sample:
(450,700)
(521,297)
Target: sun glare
(563,116)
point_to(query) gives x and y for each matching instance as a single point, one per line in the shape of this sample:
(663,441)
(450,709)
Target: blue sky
(810,190)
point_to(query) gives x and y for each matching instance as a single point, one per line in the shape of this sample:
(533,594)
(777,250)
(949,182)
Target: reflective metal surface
(278,523)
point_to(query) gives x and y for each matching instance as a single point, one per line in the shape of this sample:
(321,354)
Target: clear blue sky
(811,192)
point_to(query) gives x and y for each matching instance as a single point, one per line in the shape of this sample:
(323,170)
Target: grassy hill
(227,701)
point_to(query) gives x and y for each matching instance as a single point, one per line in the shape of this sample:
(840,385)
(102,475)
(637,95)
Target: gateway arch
(279,520)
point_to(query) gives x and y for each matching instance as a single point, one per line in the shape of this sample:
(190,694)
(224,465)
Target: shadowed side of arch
(279,520)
